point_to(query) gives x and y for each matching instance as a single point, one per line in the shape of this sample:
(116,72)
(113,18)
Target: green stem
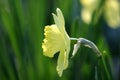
(96,73)
(105,67)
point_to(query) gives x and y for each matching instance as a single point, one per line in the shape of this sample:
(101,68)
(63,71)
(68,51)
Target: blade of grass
(5,62)
(9,26)
(36,16)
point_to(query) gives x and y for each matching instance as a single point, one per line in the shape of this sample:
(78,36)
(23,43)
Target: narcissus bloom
(57,40)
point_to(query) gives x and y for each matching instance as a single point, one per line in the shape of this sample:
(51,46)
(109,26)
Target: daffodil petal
(60,17)
(56,21)
(52,42)
(59,20)
(62,62)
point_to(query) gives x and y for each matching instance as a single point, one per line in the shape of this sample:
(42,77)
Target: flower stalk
(86,43)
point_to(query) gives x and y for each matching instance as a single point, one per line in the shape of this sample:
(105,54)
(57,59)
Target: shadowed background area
(22,31)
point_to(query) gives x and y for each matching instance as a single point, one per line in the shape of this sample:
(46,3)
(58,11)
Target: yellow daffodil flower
(112,13)
(57,40)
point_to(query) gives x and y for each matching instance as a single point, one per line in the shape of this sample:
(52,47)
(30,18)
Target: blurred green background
(21,34)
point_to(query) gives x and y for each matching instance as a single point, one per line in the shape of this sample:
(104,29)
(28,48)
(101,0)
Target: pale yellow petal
(56,21)
(59,20)
(62,62)
(60,17)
